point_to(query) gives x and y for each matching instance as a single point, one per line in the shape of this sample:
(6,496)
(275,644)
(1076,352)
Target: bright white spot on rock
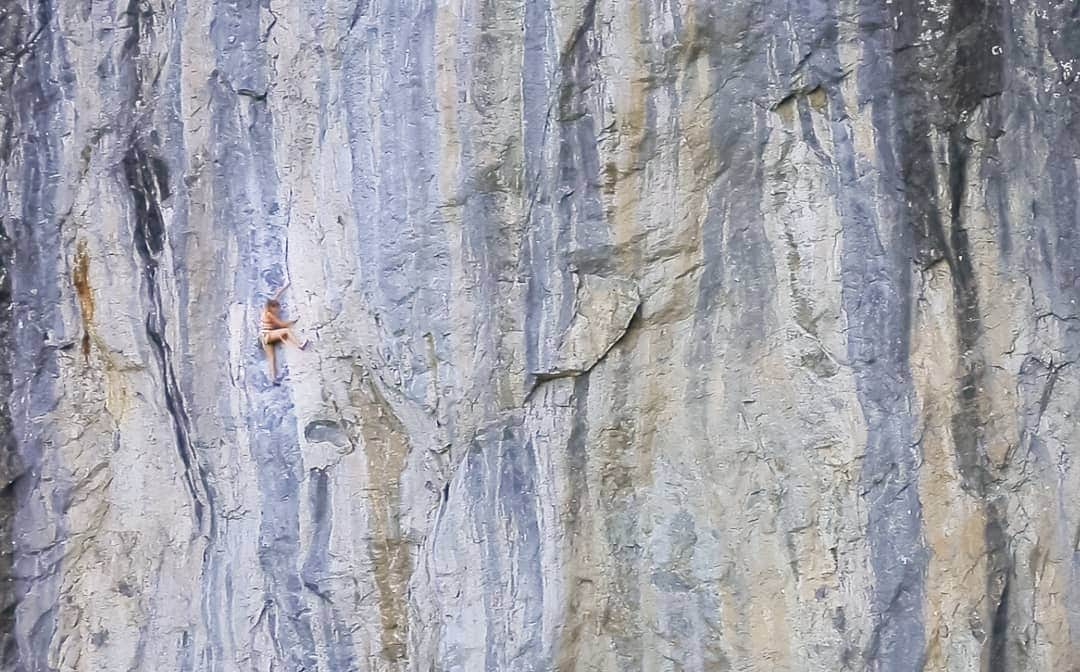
(996,50)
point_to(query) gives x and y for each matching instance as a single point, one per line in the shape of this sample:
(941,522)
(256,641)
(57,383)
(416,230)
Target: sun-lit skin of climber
(274,330)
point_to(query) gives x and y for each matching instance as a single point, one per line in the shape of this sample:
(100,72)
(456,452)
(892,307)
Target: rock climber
(273,330)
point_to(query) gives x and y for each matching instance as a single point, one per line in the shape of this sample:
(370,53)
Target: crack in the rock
(145,179)
(539,378)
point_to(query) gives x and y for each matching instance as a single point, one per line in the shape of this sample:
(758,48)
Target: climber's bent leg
(289,338)
(271,365)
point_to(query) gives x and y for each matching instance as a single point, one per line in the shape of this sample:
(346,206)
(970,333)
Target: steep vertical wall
(646,335)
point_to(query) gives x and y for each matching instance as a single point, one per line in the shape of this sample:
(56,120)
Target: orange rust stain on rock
(81,280)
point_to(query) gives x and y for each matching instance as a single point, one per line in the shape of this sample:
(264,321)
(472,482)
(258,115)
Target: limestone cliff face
(646,335)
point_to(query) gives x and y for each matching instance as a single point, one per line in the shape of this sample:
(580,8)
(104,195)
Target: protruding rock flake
(603,308)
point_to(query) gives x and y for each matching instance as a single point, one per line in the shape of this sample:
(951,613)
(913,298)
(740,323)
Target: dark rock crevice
(939,91)
(10,462)
(146,178)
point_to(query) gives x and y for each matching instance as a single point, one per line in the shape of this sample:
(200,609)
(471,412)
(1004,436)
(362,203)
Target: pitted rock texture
(646,335)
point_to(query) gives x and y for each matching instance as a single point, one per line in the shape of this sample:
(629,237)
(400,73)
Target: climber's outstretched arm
(277,294)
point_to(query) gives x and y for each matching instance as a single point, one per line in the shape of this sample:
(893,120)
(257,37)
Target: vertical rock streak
(147,187)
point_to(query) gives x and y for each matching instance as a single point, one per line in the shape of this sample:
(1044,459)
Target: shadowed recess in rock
(149,232)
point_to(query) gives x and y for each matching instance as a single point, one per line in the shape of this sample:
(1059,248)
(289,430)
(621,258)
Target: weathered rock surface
(647,335)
